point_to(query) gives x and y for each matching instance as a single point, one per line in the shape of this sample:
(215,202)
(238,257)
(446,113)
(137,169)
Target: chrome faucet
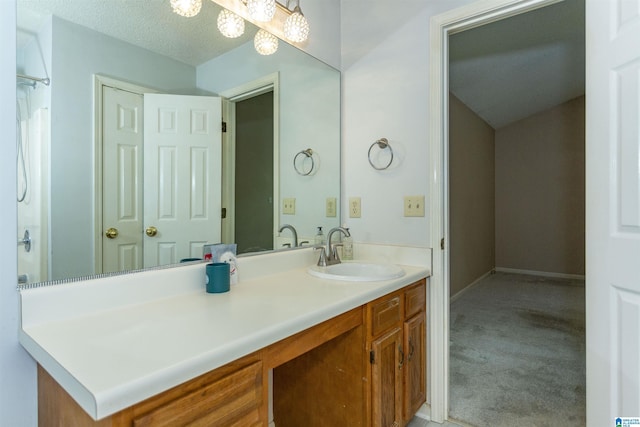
(293,231)
(330,256)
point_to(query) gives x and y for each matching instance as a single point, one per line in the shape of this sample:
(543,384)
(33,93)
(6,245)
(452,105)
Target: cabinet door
(415,384)
(386,388)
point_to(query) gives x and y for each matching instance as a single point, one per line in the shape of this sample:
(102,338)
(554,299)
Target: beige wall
(472,201)
(540,191)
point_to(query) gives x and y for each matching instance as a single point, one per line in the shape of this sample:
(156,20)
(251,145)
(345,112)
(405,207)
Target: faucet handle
(322,262)
(334,252)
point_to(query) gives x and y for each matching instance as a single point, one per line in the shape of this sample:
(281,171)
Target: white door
(121,180)
(613,210)
(182,176)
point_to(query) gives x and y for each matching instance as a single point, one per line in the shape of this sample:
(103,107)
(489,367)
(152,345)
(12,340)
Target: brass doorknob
(151,231)
(111,233)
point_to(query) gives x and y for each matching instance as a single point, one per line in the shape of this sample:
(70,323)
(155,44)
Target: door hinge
(224,213)
(372,357)
(442,243)
(224,127)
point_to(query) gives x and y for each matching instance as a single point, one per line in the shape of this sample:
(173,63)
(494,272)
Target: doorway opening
(250,165)
(254,173)
(442,27)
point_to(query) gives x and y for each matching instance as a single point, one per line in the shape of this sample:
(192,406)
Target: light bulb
(186,8)
(265,42)
(296,27)
(230,24)
(261,10)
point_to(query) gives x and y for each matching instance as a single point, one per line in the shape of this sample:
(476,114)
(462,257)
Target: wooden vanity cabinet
(364,367)
(397,354)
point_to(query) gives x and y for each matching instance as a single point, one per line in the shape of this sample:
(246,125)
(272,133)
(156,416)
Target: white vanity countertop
(111,343)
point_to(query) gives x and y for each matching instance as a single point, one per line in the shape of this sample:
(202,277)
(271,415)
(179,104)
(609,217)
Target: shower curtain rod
(44,81)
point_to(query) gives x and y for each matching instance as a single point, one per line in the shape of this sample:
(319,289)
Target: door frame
(248,90)
(441,27)
(99,81)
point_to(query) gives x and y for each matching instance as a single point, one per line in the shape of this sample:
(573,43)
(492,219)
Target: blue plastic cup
(217,277)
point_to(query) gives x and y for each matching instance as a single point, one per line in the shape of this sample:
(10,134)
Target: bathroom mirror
(82,44)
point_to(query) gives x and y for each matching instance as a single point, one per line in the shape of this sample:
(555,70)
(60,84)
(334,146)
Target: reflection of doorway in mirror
(160,207)
(257,227)
(254,173)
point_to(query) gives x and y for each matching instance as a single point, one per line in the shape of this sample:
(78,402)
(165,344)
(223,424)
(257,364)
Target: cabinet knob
(401,357)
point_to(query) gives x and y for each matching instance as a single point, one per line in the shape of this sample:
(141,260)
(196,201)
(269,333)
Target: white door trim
(441,26)
(253,88)
(98,82)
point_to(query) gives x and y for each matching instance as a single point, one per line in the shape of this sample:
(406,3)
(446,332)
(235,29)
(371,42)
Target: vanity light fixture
(265,42)
(261,10)
(230,24)
(296,27)
(186,8)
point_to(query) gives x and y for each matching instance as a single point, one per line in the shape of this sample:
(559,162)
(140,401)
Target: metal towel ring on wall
(308,154)
(382,143)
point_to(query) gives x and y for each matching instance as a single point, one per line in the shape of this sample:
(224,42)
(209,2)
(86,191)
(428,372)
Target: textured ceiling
(504,71)
(511,69)
(146,23)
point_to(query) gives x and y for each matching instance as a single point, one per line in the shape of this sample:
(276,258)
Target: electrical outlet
(354,207)
(413,205)
(289,206)
(331,207)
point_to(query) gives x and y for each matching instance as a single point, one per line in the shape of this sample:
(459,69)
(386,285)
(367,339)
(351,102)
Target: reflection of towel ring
(308,154)
(382,143)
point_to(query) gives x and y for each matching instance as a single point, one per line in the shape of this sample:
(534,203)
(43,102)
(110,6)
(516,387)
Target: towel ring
(382,143)
(308,154)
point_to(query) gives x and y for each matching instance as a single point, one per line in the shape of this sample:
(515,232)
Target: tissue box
(222,252)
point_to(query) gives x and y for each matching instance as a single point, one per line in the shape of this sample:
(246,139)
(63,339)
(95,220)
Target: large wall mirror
(104,148)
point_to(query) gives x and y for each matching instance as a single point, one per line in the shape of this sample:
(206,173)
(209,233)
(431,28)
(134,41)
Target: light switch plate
(331,207)
(413,205)
(289,206)
(354,207)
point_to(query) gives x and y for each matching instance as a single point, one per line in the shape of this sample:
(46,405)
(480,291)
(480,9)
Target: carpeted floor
(517,352)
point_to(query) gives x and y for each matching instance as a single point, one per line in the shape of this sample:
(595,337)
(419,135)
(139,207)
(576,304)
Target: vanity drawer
(234,399)
(415,298)
(385,313)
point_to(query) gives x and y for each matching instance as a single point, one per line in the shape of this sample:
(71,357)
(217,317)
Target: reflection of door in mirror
(177,209)
(182,176)
(254,173)
(122,145)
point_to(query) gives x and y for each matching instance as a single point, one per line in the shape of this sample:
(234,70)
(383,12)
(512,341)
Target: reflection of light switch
(413,205)
(289,206)
(331,206)
(354,207)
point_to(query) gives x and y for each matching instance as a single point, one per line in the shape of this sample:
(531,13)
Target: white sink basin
(355,271)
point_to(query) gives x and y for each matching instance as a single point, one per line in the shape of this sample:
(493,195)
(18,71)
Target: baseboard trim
(469,286)
(540,273)
(424,412)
